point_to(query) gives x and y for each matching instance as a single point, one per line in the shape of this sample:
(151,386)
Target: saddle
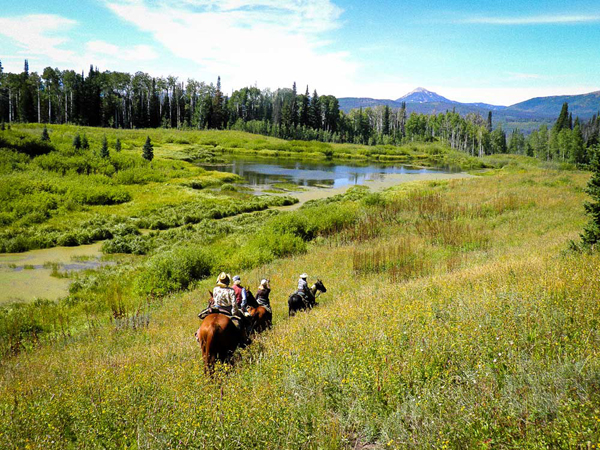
(305,298)
(264,305)
(215,310)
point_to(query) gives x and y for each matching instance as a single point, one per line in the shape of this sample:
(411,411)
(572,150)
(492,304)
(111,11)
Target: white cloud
(42,38)
(269,42)
(535,20)
(136,53)
(39,35)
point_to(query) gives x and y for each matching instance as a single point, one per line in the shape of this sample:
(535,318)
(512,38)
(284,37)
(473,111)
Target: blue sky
(498,52)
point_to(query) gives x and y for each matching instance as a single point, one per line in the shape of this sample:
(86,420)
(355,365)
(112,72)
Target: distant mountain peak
(420,89)
(422,95)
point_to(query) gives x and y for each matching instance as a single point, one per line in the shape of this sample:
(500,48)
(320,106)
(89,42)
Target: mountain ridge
(538,109)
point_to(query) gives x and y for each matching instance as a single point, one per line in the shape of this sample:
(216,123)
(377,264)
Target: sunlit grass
(495,345)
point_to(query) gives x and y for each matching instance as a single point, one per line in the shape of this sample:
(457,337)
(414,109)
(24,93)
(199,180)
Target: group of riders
(235,300)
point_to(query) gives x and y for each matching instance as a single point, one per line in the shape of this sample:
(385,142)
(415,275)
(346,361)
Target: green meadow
(456,314)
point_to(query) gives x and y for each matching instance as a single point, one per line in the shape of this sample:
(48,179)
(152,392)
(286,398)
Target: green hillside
(455,317)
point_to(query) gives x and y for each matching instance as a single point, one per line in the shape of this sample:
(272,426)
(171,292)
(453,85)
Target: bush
(281,245)
(173,271)
(296,224)
(26,145)
(375,199)
(99,195)
(136,245)
(227,187)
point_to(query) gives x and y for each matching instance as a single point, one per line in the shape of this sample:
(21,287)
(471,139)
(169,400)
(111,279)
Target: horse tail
(209,343)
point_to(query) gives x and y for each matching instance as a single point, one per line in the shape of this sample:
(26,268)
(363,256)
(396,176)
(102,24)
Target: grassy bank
(207,144)
(454,318)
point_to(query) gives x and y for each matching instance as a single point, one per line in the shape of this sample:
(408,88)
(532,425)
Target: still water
(258,172)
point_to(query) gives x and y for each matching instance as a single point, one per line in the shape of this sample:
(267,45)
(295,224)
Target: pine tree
(294,109)
(563,119)
(77,142)
(316,120)
(570,121)
(489,122)
(45,135)
(217,118)
(118,145)
(84,143)
(148,151)
(104,153)
(385,128)
(591,233)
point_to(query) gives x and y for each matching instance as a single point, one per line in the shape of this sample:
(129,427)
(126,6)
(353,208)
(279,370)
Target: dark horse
(218,338)
(296,303)
(262,318)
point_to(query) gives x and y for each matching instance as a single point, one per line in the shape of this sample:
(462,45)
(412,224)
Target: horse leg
(209,359)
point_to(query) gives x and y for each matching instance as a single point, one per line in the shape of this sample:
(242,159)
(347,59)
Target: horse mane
(251,299)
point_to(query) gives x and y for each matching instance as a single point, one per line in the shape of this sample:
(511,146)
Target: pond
(29,275)
(269,171)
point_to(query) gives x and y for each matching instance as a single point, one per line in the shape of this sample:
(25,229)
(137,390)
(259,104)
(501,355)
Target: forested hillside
(122,100)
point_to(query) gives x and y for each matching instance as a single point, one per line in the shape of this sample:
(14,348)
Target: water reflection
(269,171)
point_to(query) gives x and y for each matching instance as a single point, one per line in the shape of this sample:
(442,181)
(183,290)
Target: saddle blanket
(236,320)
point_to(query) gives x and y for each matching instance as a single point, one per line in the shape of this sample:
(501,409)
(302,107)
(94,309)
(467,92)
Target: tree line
(122,100)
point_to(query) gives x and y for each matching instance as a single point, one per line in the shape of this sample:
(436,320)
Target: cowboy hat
(223,278)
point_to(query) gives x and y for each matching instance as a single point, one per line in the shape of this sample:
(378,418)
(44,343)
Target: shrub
(277,245)
(173,271)
(375,199)
(136,245)
(227,187)
(296,224)
(99,195)
(23,144)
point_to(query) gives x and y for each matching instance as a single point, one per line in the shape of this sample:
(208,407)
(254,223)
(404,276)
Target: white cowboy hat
(304,275)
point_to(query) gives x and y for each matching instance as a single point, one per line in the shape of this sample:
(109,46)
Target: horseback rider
(304,291)
(262,294)
(240,293)
(224,299)
(224,296)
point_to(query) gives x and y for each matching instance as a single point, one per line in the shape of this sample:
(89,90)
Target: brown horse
(262,319)
(218,338)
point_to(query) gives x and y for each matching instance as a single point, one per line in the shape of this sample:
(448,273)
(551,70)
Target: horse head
(320,286)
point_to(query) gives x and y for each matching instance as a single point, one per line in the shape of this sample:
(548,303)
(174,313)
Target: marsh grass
(67,197)
(400,260)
